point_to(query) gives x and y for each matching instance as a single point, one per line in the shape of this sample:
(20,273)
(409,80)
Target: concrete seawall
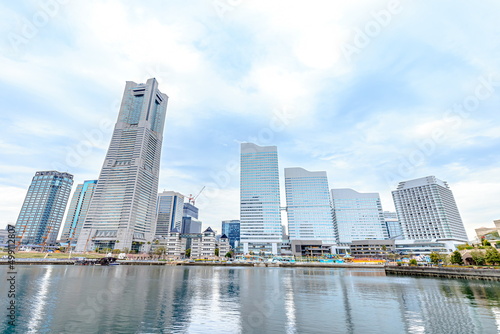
(27,262)
(445,272)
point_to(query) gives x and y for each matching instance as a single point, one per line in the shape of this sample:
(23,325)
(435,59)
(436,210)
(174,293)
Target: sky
(373,92)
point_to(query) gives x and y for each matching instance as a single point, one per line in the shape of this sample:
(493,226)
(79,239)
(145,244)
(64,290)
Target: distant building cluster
(123,210)
(340,221)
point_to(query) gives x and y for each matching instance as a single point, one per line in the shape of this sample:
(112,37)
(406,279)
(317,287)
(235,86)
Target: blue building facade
(169,213)
(357,216)
(308,206)
(190,225)
(190,211)
(43,208)
(77,211)
(231,228)
(260,212)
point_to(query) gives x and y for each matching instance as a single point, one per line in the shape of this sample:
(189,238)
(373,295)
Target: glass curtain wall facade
(77,211)
(427,209)
(309,207)
(170,212)
(190,211)
(231,228)
(393,225)
(43,208)
(122,213)
(260,215)
(357,216)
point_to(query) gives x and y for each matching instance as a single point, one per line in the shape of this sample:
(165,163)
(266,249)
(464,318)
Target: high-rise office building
(308,205)
(190,211)
(427,210)
(43,208)
(190,225)
(393,225)
(77,211)
(170,211)
(231,228)
(122,213)
(260,215)
(357,216)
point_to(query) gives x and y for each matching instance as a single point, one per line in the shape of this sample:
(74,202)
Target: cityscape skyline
(368,121)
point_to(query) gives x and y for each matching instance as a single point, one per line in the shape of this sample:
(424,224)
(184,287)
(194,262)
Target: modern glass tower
(427,210)
(43,208)
(170,212)
(393,225)
(357,216)
(260,215)
(309,207)
(77,211)
(190,211)
(122,213)
(231,228)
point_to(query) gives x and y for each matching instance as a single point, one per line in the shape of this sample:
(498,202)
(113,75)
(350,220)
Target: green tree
(492,256)
(229,254)
(160,250)
(435,257)
(456,258)
(485,242)
(188,252)
(413,262)
(216,252)
(478,258)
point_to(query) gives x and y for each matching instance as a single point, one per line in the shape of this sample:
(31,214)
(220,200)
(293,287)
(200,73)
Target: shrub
(456,258)
(478,258)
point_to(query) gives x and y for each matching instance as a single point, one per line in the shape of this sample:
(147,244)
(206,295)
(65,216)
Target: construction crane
(193,199)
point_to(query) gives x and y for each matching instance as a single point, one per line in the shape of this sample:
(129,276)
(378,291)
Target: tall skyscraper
(427,210)
(170,212)
(260,213)
(357,216)
(122,213)
(309,207)
(190,211)
(43,208)
(393,225)
(77,211)
(231,228)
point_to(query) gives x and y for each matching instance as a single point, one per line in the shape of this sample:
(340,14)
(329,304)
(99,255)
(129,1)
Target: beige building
(202,245)
(223,245)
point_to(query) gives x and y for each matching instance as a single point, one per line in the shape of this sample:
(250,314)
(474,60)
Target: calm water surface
(151,299)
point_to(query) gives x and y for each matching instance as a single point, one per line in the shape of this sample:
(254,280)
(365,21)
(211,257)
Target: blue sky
(373,92)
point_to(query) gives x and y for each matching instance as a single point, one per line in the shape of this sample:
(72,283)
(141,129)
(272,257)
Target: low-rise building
(312,248)
(375,249)
(204,245)
(383,248)
(201,245)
